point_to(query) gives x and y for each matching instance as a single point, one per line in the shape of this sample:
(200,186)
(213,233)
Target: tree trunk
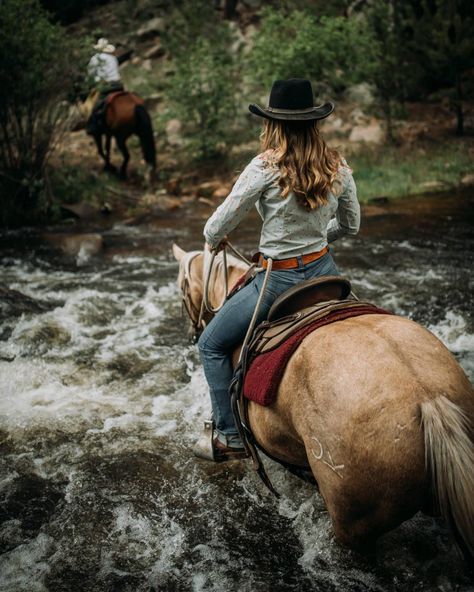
(458,106)
(387,109)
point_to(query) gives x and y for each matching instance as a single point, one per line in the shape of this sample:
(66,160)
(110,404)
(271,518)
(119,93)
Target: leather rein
(200,317)
(238,403)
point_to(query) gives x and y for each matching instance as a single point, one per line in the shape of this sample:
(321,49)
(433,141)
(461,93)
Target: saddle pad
(264,374)
(120,93)
(113,95)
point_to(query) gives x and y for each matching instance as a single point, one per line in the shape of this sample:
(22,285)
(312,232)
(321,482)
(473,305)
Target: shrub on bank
(37,70)
(202,91)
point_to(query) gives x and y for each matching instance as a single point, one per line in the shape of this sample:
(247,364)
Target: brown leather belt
(293,262)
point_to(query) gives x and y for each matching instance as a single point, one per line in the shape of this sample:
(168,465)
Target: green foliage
(443,41)
(36,73)
(329,49)
(388,69)
(202,92)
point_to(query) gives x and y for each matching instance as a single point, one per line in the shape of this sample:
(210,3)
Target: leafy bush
(203,91)
(328,49)
(36,72)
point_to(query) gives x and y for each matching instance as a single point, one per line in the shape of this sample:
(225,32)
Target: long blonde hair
(308,166)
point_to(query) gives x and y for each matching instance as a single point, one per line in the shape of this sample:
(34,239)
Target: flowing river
(102,397)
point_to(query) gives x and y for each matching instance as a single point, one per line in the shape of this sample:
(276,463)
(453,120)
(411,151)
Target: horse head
(194,267)
(80,111)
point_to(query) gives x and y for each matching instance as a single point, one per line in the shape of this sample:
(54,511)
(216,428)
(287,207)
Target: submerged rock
(80,245)
(82,210)
(14,303)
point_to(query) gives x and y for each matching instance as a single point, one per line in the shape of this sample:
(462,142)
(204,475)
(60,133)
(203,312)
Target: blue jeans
(228,328)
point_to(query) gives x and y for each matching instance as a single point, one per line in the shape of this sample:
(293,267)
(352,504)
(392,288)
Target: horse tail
(449,455)
(144,131)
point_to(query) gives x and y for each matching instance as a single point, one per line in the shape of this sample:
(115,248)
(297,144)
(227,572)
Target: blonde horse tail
(449,454)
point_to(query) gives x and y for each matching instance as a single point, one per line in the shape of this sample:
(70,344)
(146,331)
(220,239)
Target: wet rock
(84,245)
(173,132)
(50,334)
(156,51)
(82,210)
(14,304)
(151,29)
(370,134)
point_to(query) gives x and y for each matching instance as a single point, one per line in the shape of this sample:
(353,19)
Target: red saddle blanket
(263,377)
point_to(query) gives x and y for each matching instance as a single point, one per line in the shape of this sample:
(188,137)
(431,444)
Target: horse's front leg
(126,156)
(100,148)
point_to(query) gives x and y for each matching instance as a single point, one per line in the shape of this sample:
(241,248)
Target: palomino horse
(380,410)
(124,115)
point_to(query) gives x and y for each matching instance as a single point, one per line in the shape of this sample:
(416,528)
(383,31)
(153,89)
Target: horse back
(120,111)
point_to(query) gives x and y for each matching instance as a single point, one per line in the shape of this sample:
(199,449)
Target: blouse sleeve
(347,220)
(245,193)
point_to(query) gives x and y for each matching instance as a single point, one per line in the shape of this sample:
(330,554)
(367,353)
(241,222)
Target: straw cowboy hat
(104,46)
(292,100)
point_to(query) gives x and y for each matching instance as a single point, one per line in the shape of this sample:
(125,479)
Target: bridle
(186,300)
(200,317)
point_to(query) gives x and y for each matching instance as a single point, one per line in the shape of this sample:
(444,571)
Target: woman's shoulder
(344,167)
(266,162)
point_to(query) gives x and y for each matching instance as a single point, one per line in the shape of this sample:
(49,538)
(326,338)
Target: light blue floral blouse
(288,228)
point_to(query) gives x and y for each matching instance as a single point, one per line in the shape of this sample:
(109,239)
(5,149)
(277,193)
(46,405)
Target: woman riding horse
(297,184)
(375,405)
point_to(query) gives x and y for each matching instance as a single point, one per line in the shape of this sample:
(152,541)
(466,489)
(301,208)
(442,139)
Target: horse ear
(178,252)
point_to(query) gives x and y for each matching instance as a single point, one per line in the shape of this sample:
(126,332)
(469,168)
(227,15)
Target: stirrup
(204,447)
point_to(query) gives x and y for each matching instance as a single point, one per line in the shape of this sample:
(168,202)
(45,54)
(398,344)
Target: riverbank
(383,171)
(394,172)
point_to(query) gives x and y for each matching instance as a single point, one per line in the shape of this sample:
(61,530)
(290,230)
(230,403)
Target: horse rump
(144,130)
(449,453)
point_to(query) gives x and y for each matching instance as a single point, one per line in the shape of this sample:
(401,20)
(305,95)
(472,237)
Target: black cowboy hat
(292,100)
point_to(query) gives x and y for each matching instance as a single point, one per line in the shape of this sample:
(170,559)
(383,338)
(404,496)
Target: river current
(102,397)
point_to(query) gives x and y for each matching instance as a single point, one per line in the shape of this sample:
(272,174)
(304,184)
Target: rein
(205,303)
(237,401)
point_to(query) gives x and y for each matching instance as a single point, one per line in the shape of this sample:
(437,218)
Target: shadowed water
(102,396)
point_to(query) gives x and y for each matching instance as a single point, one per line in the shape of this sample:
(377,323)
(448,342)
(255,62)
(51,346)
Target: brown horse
(125,115)
(379,409)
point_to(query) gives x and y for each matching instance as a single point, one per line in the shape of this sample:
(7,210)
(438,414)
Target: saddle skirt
(275,340)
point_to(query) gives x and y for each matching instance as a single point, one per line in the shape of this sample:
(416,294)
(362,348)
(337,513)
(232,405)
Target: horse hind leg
(122,146)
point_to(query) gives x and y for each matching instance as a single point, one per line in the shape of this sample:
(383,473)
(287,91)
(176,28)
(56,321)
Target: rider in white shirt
(103,68)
